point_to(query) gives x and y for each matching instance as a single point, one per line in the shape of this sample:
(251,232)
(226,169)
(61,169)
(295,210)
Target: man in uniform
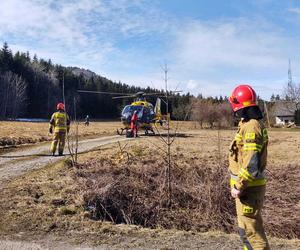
(247,162)
(134,124)
(60,125)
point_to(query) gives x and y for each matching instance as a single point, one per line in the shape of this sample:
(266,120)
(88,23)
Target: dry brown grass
(134,194)
(131,192)
(61,199)
(16,133)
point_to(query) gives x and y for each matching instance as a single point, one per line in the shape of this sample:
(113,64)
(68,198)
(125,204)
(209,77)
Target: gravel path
(175,241)
(21,161)
(46,245)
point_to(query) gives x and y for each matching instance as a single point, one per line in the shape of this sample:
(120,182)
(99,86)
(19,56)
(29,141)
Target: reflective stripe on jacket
(60,122)
(248,155)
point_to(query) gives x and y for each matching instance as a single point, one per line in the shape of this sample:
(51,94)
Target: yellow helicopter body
(147,115)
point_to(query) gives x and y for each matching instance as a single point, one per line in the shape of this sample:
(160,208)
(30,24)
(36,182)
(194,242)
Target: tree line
(31,88)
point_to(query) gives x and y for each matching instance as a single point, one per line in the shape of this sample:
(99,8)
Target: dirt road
(20,161)
(25,159)
(150,240)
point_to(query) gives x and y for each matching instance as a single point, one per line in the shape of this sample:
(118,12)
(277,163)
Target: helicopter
(148,115)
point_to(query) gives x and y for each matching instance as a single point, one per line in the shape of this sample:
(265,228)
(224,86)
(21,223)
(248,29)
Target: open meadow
(18,133)
(13,133)
(118,196)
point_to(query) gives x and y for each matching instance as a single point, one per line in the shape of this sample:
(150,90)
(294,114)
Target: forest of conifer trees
(31,87)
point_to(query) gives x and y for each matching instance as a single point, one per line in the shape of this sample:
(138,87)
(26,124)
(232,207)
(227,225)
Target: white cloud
(192,85)
(294,10)
(206,57)
(236,44)
(219,55)
(80,30)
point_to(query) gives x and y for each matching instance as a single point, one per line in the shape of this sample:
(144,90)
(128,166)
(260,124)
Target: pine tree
(6,57)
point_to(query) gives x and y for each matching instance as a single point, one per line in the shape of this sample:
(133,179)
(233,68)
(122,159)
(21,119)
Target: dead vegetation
(283,201)
(13,141)
(132,194)
(126,187)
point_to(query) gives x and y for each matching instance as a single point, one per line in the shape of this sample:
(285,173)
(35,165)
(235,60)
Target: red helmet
(242,96)
(60,106)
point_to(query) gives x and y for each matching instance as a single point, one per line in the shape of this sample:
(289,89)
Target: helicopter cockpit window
(126,109)
(129,109)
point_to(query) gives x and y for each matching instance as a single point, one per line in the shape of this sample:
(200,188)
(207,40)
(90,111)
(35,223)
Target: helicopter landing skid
(121,132)
(147,131)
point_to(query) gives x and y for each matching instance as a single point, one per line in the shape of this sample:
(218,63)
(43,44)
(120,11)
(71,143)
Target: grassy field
(17,133)
(126,185)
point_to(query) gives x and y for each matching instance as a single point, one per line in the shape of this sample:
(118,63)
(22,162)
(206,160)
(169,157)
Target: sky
(209,46)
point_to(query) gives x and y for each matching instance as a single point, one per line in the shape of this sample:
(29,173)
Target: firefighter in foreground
(60,125)
(247,162)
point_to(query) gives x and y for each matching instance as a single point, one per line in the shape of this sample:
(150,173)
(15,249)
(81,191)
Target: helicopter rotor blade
(125,96)
(169,96)
(162,94)
(101,92)
(149,94)
(175,91)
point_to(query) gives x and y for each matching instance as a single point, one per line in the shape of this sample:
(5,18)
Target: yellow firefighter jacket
(60,122)
(248,155)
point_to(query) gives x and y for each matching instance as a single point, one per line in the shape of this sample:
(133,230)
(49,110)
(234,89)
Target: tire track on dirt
(21,161)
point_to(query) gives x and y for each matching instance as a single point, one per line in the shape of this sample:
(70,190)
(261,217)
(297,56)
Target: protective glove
(50,130)
(235,193)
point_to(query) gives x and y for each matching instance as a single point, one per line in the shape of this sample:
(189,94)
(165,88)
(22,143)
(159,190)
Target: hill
(31,87)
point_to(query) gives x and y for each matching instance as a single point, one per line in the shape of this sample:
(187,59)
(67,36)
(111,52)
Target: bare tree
(19,87)
(211,114)
(167,138)
(72,141)
(12,95)
(203,112)
(198,111)
(225,115)
(168,142)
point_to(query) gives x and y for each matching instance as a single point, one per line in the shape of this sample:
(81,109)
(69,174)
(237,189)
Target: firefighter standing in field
(247,162)
(133,124)
(60,125)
